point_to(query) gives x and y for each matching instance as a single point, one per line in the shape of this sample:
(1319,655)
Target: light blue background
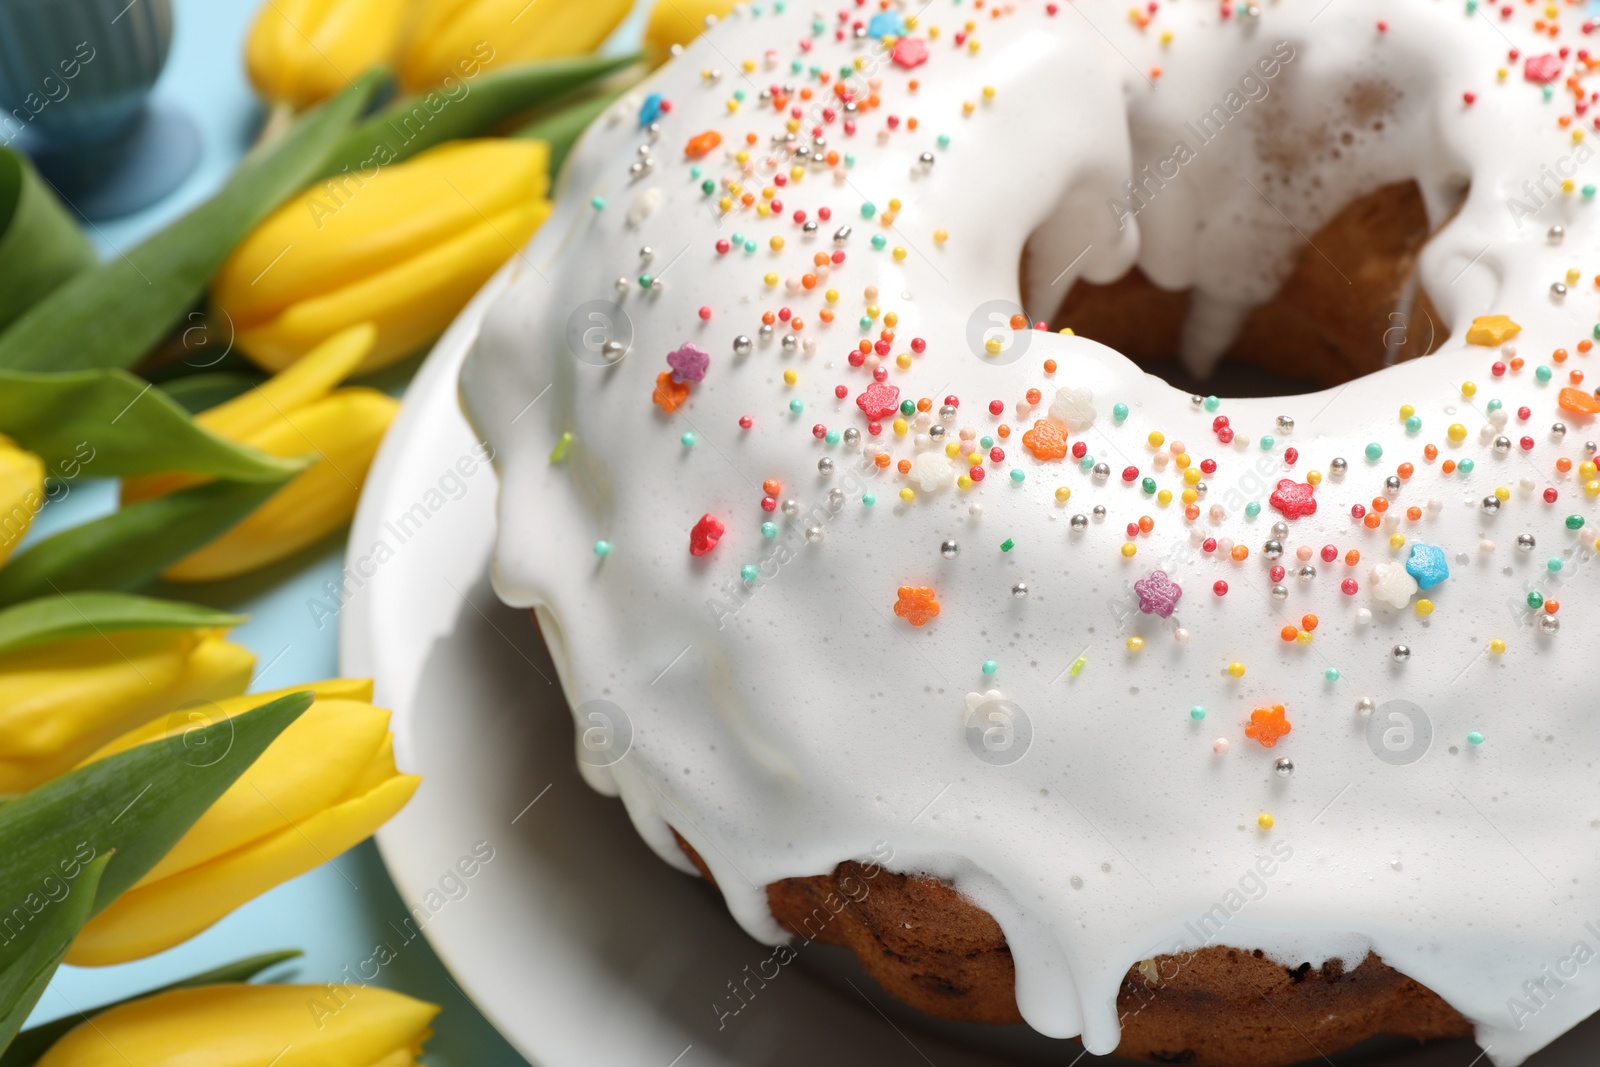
(338,912)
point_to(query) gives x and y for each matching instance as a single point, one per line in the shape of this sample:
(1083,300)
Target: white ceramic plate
(581,946)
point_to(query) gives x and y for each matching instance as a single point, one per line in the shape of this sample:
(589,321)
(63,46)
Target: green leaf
(129,547)
(111,315)
(564,122)
(135,805)
(29,960)
(33,1043)
(198,392)
(73,615)
(118,426)
(418,122)
(40,245)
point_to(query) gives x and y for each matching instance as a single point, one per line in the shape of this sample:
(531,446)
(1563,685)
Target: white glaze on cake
(784,725)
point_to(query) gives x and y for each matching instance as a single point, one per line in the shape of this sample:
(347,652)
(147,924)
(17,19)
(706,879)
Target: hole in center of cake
(1348,307)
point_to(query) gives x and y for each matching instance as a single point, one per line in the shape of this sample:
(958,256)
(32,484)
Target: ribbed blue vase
(76,72)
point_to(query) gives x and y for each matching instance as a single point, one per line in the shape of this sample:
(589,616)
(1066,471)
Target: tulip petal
(412,302)
(21,494)
(300,52)
(315,763)
(344,430)
(679,22)
(513,31)
(156,917)
(249,1026)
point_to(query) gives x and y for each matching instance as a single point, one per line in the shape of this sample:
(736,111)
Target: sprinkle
(748,572)
(1135,643)
(1264,821)
(1197,713)
(563,446)
(1374,451)
(1475,738)
(602,548)
(1007,545)
(1267,726)
(1236,669)
(916,605)
(990,666)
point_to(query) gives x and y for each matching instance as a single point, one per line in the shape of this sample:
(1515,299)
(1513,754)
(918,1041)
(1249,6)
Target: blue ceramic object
(76,72)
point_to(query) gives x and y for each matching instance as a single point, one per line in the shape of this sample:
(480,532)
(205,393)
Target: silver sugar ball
(1400,653)
(766,331)
(742,345)
(1339,465)
(1502,444)
(1366,706)
(813,534)
(926,159)
(852,437)
(936,431)
(836,498)
(825,465)
(949,549)
(1102,471)
(1280,592)
(1285,424)
(841,235)
(1391,484)
(791,507)
(612,351)
(1272,550)
(1558,289)
(1555,233)
(1195,399)
(1020,590)
(1558,429)
(1284,767)
(622,285)
(1306,573)
(809,227)
(1549,623)
(646,254)
(1526,542)
(1099,512)
(947,412)
(790,342)
(1080,522)
(1280,530)
(1491,505)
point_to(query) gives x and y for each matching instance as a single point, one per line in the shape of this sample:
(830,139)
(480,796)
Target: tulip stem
(279,119)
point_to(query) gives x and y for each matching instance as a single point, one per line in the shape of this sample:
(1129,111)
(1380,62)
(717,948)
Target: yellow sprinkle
(776,244)
(1457,433)
(1304,637)
(1502,494)
(967,106)
(1135,643)
(907,495)
(1264,821)
(790,377)
(1189,496)
(762,211)
(733,105)
(1182,460)
(1573,275)
(1424,607)
(964,482)
(933,33)
(903,360)
(940,237)
(1500,74)
(1063,494)
(952,449)
(973,46)
(749,66)
(770,278)
(1588,469)
(1406,411)
(1156,438)
(831,296)
(1313,477)
(988,92)
(1129,548)
(1592,487)
(975,458)
(768,192)
(1497,646)
(899,427)
(1066,331)
(1397,540)
(891,319)
(872,311)
(1164,497)
(796,173)
(1191,476)
(992,346)
(1469,388)
(894,203)
(1166,37)
(899,253)
(725,203)
(1236,669)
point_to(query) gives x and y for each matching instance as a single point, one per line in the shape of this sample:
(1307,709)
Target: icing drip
(786,714)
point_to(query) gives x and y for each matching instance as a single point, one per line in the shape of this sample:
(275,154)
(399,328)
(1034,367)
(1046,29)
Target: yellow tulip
(323,786)
(21,494)
(60,702)
(404,249)
(677,22)
(252,1026)
(446,34)
(302,51)
(296,413)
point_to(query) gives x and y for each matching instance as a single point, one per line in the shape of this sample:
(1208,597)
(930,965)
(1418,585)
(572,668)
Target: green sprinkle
(1574,522)
(1494,405)
(1475,738)
(944,142)
(1197,713)
(750,245)
(908,407)
(1077,666)
(687,439)
(867,211)
(797,405)
(1465,466)
(598,203)
(1588,192)
(1554,564)
(1544,374)
(748,572)
(602,548)
(878,242)
(1252,509)
(866,322)
(1267,442)
(1331,674)
(1413,424)
(1374,451)
(1119,411)
(990,666)
(563,446)
(1213,403)
(869,499)
(849,160)
(832,437)
(1535,600)
(986,441)
(645,280)
(769,529)
(1087,462)
(708,187)
(1017,475)
(1148,485)
(1007,545)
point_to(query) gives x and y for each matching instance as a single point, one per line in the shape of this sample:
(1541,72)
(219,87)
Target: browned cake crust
(933,949)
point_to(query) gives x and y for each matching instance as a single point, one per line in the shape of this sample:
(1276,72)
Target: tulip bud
(302,51)
(454,37)
(60,702)
(404,247)
(677,22)
(21,494)
(250,1026)
(323,786)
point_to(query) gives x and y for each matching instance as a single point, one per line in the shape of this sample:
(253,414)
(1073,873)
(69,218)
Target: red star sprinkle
(909,52)
(880,400)
(1542,69)
(1294,499)
(1267,725)
(705,535)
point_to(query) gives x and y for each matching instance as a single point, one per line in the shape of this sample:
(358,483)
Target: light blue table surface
(339,911)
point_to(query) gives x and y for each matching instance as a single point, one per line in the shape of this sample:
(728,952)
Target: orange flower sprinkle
(1047,440)
(916,604)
